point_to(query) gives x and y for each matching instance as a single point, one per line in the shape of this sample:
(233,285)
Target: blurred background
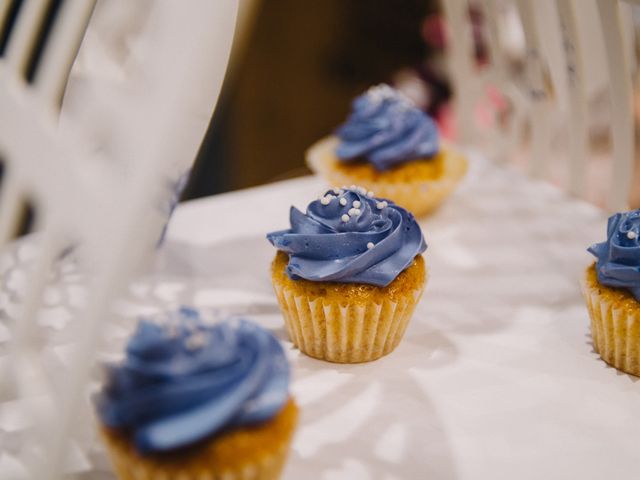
(295,68)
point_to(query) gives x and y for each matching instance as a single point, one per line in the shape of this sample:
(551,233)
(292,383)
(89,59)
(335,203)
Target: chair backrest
(562,61)
(97,176)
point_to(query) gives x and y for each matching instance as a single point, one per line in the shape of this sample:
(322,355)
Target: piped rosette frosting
(350,236)
(386,129)
(183,381)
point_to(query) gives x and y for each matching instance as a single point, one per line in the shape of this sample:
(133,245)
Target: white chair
(97,178)
(553,93)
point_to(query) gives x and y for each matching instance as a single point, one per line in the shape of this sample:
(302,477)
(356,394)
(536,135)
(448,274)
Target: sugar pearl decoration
(345,218)
(196,341)
(356,204)
(381,205)
(369,194)
(326,200)
(362,190)
(354,212)
(171,330)
(370,245)
(632,235)
(343,201)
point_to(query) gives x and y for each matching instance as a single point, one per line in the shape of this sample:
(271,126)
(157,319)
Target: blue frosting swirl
(348,236)
(618,258)
(386,129)
(183,381)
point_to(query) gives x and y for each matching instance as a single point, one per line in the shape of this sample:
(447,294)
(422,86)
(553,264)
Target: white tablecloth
(496,377)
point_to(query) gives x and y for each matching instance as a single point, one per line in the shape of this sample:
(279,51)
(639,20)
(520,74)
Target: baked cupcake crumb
(230,451)
(407,281)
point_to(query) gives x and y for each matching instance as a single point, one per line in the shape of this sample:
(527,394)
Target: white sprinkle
(356,204)
(362,190)
(171,330)
(354,212)
(336,190)
(381,205)
(370,245)
(631,235)
(380,92)
(369,194)
(345,218)
(343,201)
(325,200)
(196,341)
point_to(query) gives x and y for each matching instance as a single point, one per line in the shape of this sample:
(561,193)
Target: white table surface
(496,377)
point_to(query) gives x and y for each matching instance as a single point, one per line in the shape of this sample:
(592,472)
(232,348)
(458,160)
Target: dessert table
(496,376)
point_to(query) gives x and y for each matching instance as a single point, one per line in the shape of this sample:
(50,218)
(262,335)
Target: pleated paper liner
(615,326)
(249,453)
(347,322)
(419,196)
(345,334)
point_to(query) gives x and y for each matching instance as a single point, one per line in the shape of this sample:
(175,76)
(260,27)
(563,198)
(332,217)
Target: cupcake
(391,147)
(611,289)
(193,401)
(348,275)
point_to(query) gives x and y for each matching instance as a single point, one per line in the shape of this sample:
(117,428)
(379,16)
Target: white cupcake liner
(615,331)
(341,333)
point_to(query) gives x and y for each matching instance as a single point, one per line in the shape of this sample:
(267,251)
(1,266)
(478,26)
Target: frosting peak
(183,381)
(618,258)
(386,129)
(349,236)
